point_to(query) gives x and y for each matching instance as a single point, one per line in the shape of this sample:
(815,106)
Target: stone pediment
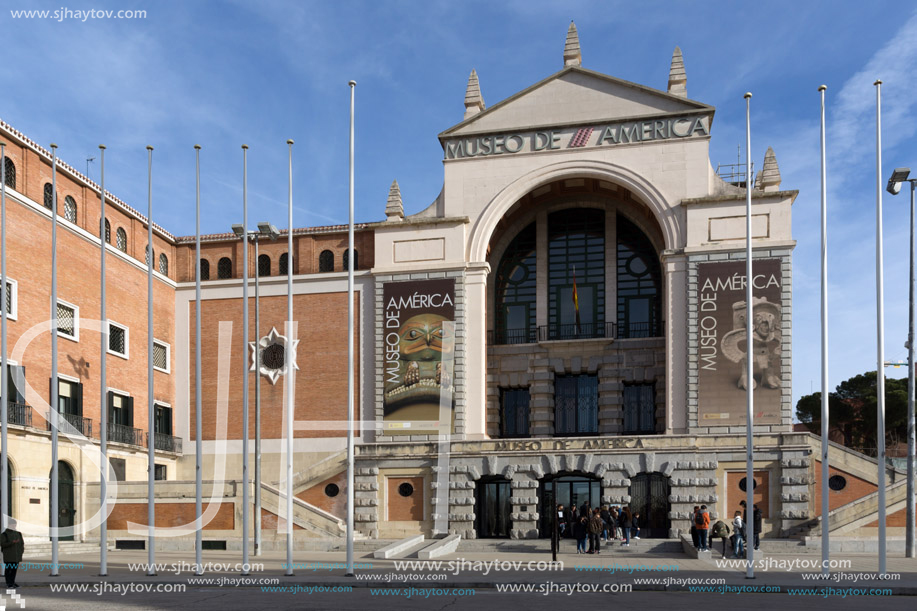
(575,96)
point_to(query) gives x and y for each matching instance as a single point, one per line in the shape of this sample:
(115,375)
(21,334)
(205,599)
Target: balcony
(165,443)
(72,423)
(636,330)
(119,433)
(548,333)
(19,414)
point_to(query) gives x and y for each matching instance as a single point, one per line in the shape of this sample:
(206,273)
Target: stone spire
(572,54)
(769,176)
(394,209)
(678,80)
(474,101)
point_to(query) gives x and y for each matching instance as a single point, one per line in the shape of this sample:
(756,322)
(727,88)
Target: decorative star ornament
(273,338)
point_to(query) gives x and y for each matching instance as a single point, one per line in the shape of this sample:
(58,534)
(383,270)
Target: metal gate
(649,496)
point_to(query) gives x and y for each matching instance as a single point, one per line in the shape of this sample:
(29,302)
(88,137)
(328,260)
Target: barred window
(49,196)
(163,264)
(205,269)
(639,408)
(264,265)
(284,264)
(576,401)
(11,298)
(161,356)
(121,237)
(147,250)
(70,209)
(514,412)
(117,339)
(326,261)
(224,268)
(356,259)
(10,172)
(107,232)
(67,320)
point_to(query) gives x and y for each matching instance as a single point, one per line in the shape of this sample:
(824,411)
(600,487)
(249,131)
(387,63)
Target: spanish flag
(575,300)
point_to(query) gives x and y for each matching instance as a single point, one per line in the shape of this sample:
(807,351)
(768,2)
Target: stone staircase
(309,517)
(317,472)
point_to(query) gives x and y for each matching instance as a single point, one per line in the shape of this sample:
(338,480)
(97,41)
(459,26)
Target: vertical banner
(722,342)
(415,339)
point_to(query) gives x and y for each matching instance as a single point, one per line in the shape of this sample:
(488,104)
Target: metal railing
(606,330)
(576,331)
(72,423)
(636,330)
(120,433)
(165,443)
(19,414)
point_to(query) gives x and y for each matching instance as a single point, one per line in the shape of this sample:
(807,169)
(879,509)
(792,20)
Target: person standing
(738,534)
(757,516)
(580,531)
(606,519)
(721,531)
(595,531)
(12,547)
(695,538)
(702,522)
(627,522)
(635,529)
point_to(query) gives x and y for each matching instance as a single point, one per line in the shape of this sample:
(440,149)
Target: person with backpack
(580,532)
(595,530)
(738,535)
(695,538)
(721,531)
(702,523)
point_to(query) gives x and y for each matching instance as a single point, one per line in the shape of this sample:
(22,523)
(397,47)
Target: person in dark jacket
(627,522)
(758,518)
(585,511)
(695,538)
(606,519)
(12,547)
(720,530)
(580,531)
(595,531)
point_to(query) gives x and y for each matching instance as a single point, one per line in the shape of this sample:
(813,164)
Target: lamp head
(268,230)
(898,177)
(239,230)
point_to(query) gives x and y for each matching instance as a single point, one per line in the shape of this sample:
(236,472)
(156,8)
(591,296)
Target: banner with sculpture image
(417,356)
(722,342)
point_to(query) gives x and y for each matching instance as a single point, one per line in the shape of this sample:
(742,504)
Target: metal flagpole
(55,504)
(198,433)
(910,550)
(749,344)
(103,381)
(245,491)
(880,331)
(258,404)
(151,422)
(4,382)
(289,366)
(350,368)
(825,543)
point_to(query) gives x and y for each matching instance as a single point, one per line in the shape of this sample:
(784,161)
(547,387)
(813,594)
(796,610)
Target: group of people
(702,534)
(597,524)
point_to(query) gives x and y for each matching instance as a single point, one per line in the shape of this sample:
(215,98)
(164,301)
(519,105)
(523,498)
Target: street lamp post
(899,176)
(265,230)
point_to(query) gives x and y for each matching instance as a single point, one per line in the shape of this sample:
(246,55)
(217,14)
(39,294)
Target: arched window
(107,232)
(356,259)
(49,196)
(121,237)
(163,264)
(10,172)
(264,265)
(326,261)
(639,283)
(70,209)
(515,290)
(148,257)
(205,269)
(284,264)
(224,268)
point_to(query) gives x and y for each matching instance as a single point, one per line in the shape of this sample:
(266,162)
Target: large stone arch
(487,222)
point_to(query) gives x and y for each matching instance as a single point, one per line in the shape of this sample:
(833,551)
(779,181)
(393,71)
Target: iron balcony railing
(165,443)
(120,433)
(576,331)
(19,414)
(72,423)
(606,330)
(641,329)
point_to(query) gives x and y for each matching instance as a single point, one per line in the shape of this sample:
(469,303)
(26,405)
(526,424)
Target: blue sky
(225,73)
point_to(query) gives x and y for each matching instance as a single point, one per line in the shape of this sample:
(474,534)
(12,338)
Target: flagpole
(198,433)
(749,361)
(4,383)
(289,365)
(350,368)
(103,382)
(825,474)
(151,422)
(880,332)
(245,491)
(55,502)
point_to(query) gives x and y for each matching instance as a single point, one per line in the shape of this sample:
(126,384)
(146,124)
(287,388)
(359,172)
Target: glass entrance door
(494,509)
(572,491)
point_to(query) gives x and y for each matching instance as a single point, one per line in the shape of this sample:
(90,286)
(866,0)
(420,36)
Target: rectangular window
(117,339)
(15,380)
(118,469)
(70,397)
(68,320)
(514,412)
(576,401)
(161,356)
(159,472)
(162,420)
(639,408)
(120,410)
(12,300)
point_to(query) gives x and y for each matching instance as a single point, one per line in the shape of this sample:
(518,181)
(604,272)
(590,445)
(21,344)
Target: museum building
(570,310)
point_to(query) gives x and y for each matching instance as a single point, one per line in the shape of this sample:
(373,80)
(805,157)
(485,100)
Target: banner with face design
(722,342)
(417,353)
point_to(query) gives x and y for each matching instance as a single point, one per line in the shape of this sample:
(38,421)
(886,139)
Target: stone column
(475,352)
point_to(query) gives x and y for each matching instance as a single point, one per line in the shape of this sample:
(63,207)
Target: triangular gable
(574,96)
